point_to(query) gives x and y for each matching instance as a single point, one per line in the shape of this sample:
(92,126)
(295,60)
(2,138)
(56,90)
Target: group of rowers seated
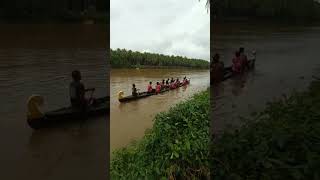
(164,84)
(240,63)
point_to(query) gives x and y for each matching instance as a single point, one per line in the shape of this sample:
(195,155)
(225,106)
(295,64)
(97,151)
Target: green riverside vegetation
(122,58)
(282,142)
(274,9)
(175,147)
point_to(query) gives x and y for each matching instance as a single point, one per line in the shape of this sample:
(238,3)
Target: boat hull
(69,114)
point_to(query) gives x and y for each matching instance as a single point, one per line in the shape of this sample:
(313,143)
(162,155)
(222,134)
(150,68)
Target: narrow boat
(228,73)
(141,95)
(37,119)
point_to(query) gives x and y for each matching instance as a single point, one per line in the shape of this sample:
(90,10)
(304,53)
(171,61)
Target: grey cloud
(167,26)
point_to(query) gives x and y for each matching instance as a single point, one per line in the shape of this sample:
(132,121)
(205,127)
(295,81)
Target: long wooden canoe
(228,73)
(36,119)
(146,94)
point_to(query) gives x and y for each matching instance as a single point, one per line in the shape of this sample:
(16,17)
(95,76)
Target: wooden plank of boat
(145,94)
(36,119)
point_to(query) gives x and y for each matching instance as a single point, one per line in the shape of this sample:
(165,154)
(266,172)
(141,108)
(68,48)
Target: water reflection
(284,57)
(38,60)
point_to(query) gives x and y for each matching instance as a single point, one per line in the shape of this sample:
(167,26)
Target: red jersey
(149,88)
(237,65)
(158,88)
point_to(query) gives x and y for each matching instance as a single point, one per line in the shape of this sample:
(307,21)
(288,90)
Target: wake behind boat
(37,119)
(141,95)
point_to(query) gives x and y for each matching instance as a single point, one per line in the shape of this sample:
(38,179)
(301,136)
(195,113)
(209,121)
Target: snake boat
(141,95)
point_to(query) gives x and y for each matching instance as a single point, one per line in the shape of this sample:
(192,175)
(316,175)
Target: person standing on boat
(77,91)
(244,59)
(134,90)
(236,63)
(217,69)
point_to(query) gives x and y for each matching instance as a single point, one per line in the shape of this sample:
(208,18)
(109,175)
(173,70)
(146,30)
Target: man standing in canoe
(77,92)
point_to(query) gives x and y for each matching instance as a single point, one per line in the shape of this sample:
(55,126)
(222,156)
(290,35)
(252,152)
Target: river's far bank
(280,142)
(176,145)
(160,67)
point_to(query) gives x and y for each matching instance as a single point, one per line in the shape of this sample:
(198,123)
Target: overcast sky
(161,26)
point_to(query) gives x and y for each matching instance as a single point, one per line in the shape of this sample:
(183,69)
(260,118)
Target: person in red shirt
(236,63)
(244,59)
(158,88)
(177,82)
(172,85)
(150,89)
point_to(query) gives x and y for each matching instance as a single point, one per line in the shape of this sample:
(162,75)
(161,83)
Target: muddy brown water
(38,59)
(130,120)
(287,57)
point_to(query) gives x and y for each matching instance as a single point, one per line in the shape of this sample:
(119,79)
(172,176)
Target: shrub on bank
(176,146)
(282,142)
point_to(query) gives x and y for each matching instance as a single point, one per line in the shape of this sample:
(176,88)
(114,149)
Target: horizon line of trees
(121,58)
(281,9)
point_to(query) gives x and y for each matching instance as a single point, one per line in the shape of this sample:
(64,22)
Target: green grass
(282,142)
(175,147)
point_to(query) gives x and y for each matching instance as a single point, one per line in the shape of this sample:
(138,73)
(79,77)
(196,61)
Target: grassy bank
(282,142)
(122,58)
(175,147)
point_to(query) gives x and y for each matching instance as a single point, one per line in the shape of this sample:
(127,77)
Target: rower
(134,90)
(244,59)
(172,80)
(158,88)
(77,92)
(167,83)
(150,89)
(178,82)
(172,84)
(163,84)
(217,69)
(236,63)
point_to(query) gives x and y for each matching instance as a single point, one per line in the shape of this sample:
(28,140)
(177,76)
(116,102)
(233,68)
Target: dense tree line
(52,9)
(127,58)
(287,9)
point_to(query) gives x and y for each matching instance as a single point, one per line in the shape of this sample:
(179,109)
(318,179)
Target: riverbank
(176,146)
(122,58)
(281,142)
(158,67)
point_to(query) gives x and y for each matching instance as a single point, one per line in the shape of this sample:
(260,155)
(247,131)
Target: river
(128,121)
(38,59)
(287,57)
